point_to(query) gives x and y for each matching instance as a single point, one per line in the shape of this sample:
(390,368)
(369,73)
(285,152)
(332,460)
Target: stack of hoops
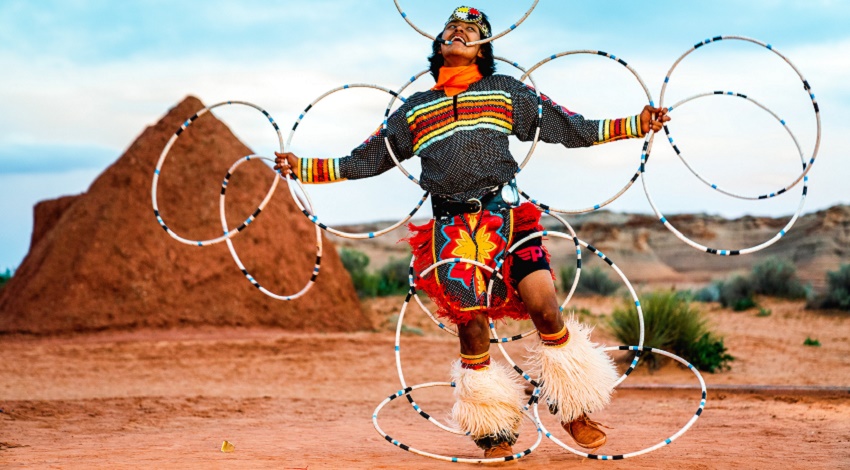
(305,205)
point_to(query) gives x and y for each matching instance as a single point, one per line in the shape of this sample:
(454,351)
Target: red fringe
(525,217)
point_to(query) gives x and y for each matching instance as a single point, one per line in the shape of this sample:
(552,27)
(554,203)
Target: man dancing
(459,129)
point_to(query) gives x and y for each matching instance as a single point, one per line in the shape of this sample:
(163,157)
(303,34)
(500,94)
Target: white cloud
(52,99)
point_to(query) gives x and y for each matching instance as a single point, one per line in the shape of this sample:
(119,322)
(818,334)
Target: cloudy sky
(81,80)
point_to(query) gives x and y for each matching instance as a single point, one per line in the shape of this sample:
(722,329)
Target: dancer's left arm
(563,126)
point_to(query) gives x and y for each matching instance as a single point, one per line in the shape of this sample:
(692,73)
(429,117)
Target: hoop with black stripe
(406,391)
(634,177)
(232,249)
(722,251)
(808,165)
(228,233)
(471,43)
(310,214)
(665,442)
(610,262)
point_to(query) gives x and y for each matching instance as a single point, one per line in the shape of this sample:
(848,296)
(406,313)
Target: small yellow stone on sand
(227,447)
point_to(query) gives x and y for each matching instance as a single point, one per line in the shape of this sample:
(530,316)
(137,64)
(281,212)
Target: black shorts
(529,257)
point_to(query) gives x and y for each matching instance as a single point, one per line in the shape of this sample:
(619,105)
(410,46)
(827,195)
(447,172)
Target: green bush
(4,278)
(389,280)
(592,281)
(709,293)
(671,324)
(837,295)
(392,278)
(355,262)
(566,276)
(737,293)
(777,278)
(811,342)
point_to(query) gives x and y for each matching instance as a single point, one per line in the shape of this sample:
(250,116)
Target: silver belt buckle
(478,202)
(509,194)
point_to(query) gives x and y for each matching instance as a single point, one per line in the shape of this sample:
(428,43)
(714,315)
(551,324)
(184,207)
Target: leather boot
(586,432)
(499,450)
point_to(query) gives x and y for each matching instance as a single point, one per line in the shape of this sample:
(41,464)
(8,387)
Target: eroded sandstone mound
(100,260)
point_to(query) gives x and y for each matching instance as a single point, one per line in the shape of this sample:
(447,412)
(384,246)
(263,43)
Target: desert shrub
(355,262)
(708,353)
(565,277)
(777,278)
(595,280)
(837,295)
(4,278)
(737,293)
(709,293)
(671,324)
(811,342)
(592,281)
(391,279)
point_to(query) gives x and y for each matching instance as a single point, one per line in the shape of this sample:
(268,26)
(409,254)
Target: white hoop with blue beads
(657,446)
(634,177)
(721,251)
(228,233)
(709,183)
(471,43)
(310,214)
(232,249)
(445,458)
(807,167)
(602,256)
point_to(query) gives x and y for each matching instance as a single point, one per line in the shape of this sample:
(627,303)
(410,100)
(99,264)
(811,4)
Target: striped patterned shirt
(462,140)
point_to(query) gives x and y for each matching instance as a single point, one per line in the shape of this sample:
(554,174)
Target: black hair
(486,64)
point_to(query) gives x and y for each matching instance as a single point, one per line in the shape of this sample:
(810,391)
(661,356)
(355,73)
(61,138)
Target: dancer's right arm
(369,159)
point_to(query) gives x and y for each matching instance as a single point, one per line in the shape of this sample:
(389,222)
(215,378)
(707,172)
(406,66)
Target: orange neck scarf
(454,80)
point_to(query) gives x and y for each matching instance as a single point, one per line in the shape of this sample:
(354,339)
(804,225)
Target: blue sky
(81,79)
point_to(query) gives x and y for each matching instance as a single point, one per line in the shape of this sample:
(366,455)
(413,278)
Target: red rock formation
(100,260)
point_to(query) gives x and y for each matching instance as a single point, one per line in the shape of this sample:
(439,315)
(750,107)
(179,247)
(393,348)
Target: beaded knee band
(475,362)
(556,340)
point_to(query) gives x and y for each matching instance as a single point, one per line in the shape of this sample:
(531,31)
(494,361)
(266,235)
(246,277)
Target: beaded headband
(471,15)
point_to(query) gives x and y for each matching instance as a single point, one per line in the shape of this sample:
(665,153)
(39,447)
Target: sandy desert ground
(168,398)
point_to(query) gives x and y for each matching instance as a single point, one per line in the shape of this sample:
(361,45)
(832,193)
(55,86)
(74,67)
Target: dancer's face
(457,53)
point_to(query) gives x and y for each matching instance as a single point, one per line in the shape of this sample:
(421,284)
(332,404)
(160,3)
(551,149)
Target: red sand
(168,398)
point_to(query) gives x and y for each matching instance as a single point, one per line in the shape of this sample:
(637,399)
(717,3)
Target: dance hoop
(315,272)
(310,214)
(725,252)
(806,86)
(415,295)
(496,339)
(412,293)
(637,173)
(628,284)
(708,183)
(227,233)
(406,447)
(471,43)
(397,95)
(659,445)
